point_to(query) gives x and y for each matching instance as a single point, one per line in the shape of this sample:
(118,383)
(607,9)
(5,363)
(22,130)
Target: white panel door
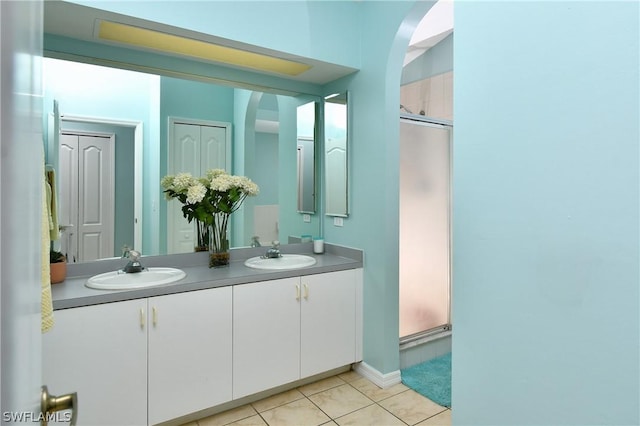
(186,149)
(185,158)
(328,321)
(86,203)
(193,148)
(100,351)
(214,148)
(68,194)
(95,198)
(190,349)
(266,335)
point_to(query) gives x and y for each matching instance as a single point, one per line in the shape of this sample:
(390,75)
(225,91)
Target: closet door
(213,148)
(95,198)
(193,148)
(86,203)
(68,194)
(184,157)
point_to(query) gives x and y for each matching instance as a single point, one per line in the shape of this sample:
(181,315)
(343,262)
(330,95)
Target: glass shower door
(425,243)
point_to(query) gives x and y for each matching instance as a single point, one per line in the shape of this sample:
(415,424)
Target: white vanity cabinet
(266,335)
(328,319)
(189,352)
(292,328)
(143,361)
(100,352)
(151,360)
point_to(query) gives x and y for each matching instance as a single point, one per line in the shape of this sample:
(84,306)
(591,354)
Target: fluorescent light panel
(169,43)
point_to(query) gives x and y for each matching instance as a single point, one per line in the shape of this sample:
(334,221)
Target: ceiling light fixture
(169,43)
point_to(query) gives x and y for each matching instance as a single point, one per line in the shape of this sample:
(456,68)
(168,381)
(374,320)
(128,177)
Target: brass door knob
(50,404)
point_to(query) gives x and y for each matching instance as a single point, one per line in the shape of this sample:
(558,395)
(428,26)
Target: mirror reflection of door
(195,147)
(86,186)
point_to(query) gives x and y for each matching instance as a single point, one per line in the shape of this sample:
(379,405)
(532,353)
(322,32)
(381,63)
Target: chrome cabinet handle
(297,292)
(50,404)
(306,291)
(142,318)
(154,312)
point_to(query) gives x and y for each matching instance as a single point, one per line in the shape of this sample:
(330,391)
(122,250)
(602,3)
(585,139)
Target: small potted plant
(58,266)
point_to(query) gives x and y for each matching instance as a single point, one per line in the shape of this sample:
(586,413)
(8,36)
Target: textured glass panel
(424,227)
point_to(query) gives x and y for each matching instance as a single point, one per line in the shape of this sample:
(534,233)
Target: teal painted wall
(545,214)
(374,170)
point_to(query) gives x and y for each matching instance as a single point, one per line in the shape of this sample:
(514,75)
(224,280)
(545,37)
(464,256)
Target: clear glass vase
(202,233)
(218,242)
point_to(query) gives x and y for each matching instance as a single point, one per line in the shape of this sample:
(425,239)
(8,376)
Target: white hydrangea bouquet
(210,200)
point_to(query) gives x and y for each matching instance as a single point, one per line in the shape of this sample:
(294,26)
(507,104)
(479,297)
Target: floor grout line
(334,420)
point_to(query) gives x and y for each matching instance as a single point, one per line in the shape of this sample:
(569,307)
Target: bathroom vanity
(155,355)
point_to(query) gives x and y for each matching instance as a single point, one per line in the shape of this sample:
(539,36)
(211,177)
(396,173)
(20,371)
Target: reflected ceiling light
(170,43)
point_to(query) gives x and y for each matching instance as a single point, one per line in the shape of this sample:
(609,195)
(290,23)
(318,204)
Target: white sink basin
(149,277)
(287,261)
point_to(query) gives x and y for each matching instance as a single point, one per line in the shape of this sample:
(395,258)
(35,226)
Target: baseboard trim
(382,380)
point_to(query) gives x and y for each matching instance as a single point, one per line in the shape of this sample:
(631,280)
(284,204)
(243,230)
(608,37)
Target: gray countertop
(73,293)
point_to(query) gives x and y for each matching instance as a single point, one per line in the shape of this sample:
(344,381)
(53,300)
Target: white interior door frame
(137,179)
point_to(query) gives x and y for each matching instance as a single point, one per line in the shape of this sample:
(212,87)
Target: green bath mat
(431,379)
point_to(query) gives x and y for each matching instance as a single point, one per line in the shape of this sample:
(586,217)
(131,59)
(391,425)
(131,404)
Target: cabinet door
(189,352)
(328,322)
(100,352)
(266,335)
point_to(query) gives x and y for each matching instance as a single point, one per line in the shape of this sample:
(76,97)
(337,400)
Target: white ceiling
(434,27)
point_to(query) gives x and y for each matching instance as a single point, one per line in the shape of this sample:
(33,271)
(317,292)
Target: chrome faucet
(134,264)
(255,241)
(274,251)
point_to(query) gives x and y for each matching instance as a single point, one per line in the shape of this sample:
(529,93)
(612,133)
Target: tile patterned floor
(346,399)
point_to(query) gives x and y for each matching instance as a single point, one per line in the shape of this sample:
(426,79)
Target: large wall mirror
(263,141)
(336,143)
